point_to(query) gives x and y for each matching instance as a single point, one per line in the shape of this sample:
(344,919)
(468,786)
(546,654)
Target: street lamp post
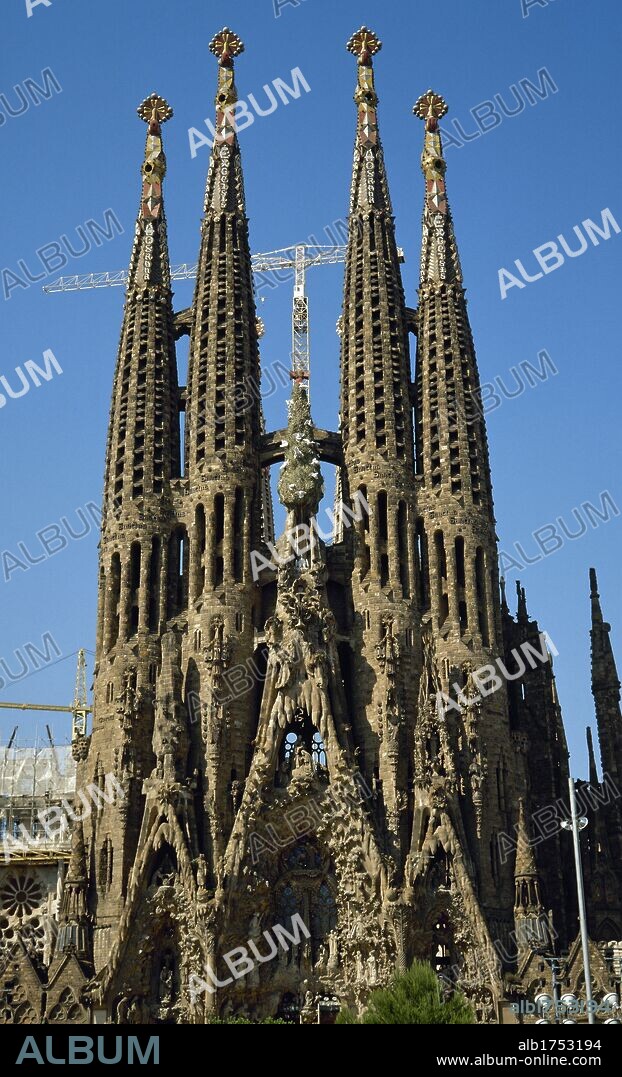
(575,824)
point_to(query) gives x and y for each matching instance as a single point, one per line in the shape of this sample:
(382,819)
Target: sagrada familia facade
(353,776)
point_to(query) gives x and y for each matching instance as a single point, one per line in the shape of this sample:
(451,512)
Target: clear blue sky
(532,177)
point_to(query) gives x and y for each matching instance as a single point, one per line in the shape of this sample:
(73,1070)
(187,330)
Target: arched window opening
(302,752)
(382,516)
(402,541)
(494,858)
(154,585)
(134,587)
(219,534)
(441,580)
(422,561)
(114,596)
(177,572)
(481,595)
(238,535)
(198,568)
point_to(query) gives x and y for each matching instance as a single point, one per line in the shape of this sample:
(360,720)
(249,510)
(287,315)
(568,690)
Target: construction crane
(299,258)
(78,709)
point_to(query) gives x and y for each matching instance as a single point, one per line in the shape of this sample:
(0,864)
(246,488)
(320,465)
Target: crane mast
(298,258)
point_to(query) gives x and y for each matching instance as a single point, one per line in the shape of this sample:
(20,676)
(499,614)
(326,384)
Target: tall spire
(376,428)
(375,368)
(221,421)
(143,439)
(225,189)
(150,261)
(439,252)
(142,455)
(139,564)
(223,475)
(451,445)
(369,180)
(605,689)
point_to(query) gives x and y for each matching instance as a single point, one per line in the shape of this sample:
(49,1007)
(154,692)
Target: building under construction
(37,808)
(404,807)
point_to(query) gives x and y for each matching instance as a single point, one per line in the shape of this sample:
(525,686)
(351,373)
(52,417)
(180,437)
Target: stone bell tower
(310,744)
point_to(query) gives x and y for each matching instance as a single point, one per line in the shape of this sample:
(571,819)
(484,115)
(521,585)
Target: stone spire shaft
(376,420)
(529,917)
(143,440)
(222,416)
(143,459)
(462,587)
(376,426)
(605,689)
(375,369)
(223,473)
(140,583)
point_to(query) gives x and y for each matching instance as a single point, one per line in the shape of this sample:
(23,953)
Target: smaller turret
(529,916)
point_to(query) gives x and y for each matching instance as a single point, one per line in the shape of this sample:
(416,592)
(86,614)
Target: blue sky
(528,179)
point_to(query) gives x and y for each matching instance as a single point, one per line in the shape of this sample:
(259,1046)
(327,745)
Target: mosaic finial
(226,45)
(154,110)
(364,44)
(430,107)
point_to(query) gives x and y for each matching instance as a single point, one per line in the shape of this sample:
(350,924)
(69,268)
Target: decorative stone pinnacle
(431,107)
(300,484)
(226,45)
(364,44)
(154,109)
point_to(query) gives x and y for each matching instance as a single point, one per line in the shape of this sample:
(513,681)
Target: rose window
(20,895)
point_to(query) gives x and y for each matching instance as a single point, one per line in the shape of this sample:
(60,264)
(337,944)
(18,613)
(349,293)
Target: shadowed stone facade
(314,741)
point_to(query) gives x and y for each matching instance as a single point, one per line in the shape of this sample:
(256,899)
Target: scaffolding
(34,779)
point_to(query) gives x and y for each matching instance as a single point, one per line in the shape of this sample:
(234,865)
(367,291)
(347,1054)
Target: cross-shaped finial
(430,107)
(154,109)
(364,44)
(225,45)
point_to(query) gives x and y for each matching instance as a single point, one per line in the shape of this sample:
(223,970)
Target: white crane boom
(298,258)
(260,263)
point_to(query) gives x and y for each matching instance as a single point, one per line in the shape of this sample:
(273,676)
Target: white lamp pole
(575,824)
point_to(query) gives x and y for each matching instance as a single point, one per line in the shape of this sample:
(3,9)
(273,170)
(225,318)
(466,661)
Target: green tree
(412,998)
